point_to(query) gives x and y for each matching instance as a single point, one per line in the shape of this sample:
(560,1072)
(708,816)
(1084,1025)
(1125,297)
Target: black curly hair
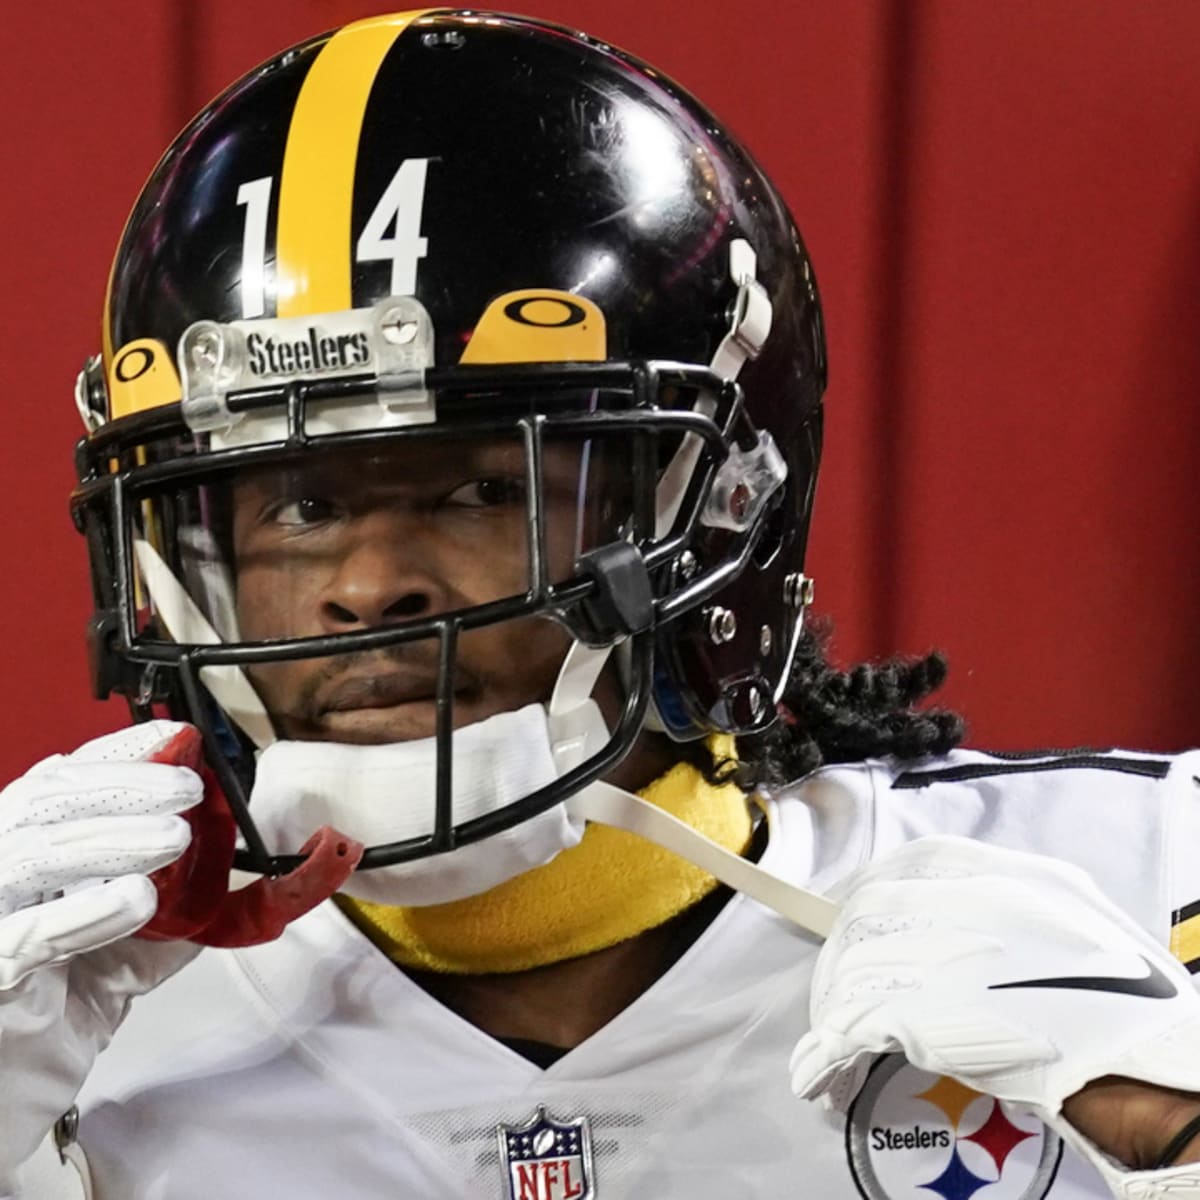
(827,715)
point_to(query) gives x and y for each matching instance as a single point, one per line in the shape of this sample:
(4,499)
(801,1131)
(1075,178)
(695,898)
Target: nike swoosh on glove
(1010,972)
(80,835)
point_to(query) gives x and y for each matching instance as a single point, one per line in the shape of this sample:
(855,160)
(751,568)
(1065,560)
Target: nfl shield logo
(545,1159)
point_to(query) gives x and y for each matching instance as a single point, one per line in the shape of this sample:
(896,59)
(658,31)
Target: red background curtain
(1003,203)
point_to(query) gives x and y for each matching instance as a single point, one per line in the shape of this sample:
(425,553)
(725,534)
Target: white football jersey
(312,1067)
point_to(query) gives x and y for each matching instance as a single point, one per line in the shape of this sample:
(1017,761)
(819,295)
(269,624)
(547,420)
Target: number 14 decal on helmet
(392,233)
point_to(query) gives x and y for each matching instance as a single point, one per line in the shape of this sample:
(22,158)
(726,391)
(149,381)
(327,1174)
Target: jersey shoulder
(1130,818)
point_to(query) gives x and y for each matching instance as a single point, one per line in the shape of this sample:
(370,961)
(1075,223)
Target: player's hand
(79,836)
(1010,972)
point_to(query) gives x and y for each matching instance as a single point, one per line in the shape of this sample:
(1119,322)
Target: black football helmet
(453,227)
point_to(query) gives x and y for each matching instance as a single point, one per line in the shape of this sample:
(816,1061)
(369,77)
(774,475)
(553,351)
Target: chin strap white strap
(577,679)
(572,717)
(187,624)
(609,805)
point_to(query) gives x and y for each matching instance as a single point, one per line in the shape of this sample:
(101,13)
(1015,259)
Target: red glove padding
(194,900)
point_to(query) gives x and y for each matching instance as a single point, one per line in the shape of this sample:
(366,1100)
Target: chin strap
(609,805)
(187,624)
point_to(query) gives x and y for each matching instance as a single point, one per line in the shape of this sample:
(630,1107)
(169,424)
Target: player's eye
(303,511)
(494,491)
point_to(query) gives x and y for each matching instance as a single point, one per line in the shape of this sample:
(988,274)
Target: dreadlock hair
(827,715)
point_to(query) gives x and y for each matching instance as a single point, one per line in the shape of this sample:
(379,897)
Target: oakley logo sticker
(134,362)
(537,325)
(545,312)
(141,376)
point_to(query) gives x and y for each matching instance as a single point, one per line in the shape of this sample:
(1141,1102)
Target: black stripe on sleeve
(1149,768)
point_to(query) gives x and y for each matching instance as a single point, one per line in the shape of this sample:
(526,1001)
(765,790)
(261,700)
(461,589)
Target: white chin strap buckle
(751,323)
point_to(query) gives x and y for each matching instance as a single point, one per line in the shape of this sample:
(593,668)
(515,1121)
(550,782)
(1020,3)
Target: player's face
(354,541)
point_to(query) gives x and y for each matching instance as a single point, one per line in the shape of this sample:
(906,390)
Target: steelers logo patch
(913,1135)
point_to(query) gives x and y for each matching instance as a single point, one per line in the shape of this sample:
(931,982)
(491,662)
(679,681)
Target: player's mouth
(384,707)
(360,693)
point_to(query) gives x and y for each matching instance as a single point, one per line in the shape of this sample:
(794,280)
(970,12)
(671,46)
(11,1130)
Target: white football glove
(79,836)
(1010,972)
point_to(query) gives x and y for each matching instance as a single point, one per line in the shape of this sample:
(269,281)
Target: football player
(491,824)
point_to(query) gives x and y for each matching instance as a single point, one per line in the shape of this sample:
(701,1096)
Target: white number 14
(392,233)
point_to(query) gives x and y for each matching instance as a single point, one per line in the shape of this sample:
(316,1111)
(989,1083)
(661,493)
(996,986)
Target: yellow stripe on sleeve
(1185,940)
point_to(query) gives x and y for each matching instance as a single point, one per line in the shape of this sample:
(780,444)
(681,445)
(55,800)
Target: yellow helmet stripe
(316,190)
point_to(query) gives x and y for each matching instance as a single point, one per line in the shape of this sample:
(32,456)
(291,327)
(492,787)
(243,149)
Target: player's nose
(385,573)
